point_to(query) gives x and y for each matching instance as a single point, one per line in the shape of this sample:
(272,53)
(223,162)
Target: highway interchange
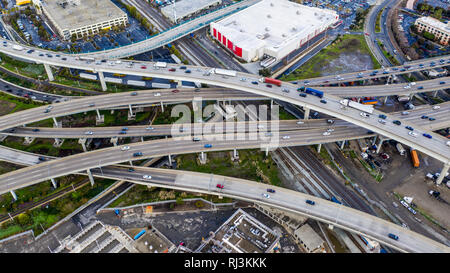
(72,164)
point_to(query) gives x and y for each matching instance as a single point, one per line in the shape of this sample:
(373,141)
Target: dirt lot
(6,107)
(348,62)
(417,187)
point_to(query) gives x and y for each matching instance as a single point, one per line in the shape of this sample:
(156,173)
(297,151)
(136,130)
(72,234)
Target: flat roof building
(432,25)
(271,28)
(82,17)
(309,239)
(187,8)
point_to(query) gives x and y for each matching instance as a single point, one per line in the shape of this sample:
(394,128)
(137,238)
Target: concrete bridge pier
(319,147)
(91,178)
(100,119)
(359,100)
(179,84)
(102,80)
(306,114)
(82,141)
(385,99)
(411,96)
(49,72)
(131,115)
(54,183)
(435,93)
(162,106)
(58,142)
(374,140)
(28,140)
(57,124)
(202,158)
(442,175)
(170,160)
(235,156)
(342,145)
(380,144)
(13,195)
(114,141)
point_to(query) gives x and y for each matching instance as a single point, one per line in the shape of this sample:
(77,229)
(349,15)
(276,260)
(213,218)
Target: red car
(143,67)
(172,69)
(366,33)
(175,91)
(220,186)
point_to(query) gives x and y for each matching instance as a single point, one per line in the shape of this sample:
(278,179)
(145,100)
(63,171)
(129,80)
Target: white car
(89,133)
(300,122)
(448,143)
(404,204)
(243,79)
(260,126)
(364,115)
(326,133)
(149,128)
(411,133)
(286,137)
(382,121)
(266,195)
(50,107)
(407,86)
(404,113)
(125,148)
(157,95)
(330,130)
(436,107)
(146,176)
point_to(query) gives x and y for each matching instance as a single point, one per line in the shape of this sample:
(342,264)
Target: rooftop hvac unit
(266,29)
(315,13)
(283,35)
(298,12)
(271,4)
(294,29)
(269,16)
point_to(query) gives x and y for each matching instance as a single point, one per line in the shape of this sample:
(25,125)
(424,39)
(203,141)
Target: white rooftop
(185,8)
(274,23)
(435,23)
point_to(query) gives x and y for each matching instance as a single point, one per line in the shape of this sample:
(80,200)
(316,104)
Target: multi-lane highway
(441,116)
(435,147)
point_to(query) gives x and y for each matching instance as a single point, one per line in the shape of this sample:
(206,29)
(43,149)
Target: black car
(187,71)
(35,130)
(130,170)
(424,117)
(137,154)
(255,82)
(310,202)
(377,163)
(323,101)
(302,95)
(183,67)
(409,128)
(397,122)
(134,94)
(41,158)
(271,190)
(268,85)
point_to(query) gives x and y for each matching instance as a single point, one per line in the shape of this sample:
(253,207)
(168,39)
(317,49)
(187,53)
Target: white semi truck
(359,106)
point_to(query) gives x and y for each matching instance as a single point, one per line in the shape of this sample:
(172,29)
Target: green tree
(264,72)
(179,201)
(23,219)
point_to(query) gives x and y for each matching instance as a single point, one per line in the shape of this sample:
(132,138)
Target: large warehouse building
(272,28)
(82,17)
(187,8)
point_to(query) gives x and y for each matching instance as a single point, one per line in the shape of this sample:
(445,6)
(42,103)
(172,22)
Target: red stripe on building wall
(238,51)
(219,36)
(224,42)
(230,45)
(214,32)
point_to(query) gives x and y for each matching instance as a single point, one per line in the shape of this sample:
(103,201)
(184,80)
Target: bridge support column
(202,158)
(170,160)
(359,100)
(82,141)
(114,141)
(385,99)
(54,183)
(58,142)
(179,84)
(374,140)
(102,80)
(411,96)
(443,173)
(271,104)
(306,114)
(91,178)
(235,156)
(380,144)
(267,151)
(435,93)
(131,115)
(342,145)
(142,139)
(49,72)
(162,106)
(56,124)
(319,147)
(100,119)
(13,195)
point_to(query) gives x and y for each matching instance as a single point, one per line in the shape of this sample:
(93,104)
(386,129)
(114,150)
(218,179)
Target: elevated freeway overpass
(335,214)
(442,116)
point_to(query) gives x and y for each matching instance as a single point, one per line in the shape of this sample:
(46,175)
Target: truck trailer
(224,72)
(271,81)
(415,158)
(359,106)
(400,149)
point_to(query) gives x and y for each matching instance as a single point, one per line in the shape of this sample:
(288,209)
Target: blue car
(255,82)
(441,82)
(424,117)
(310,202)
(208,145)
(420,87)
(427,135)
(409,128)
(393,236)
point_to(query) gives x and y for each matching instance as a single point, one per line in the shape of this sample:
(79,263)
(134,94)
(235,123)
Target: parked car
(219,186)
